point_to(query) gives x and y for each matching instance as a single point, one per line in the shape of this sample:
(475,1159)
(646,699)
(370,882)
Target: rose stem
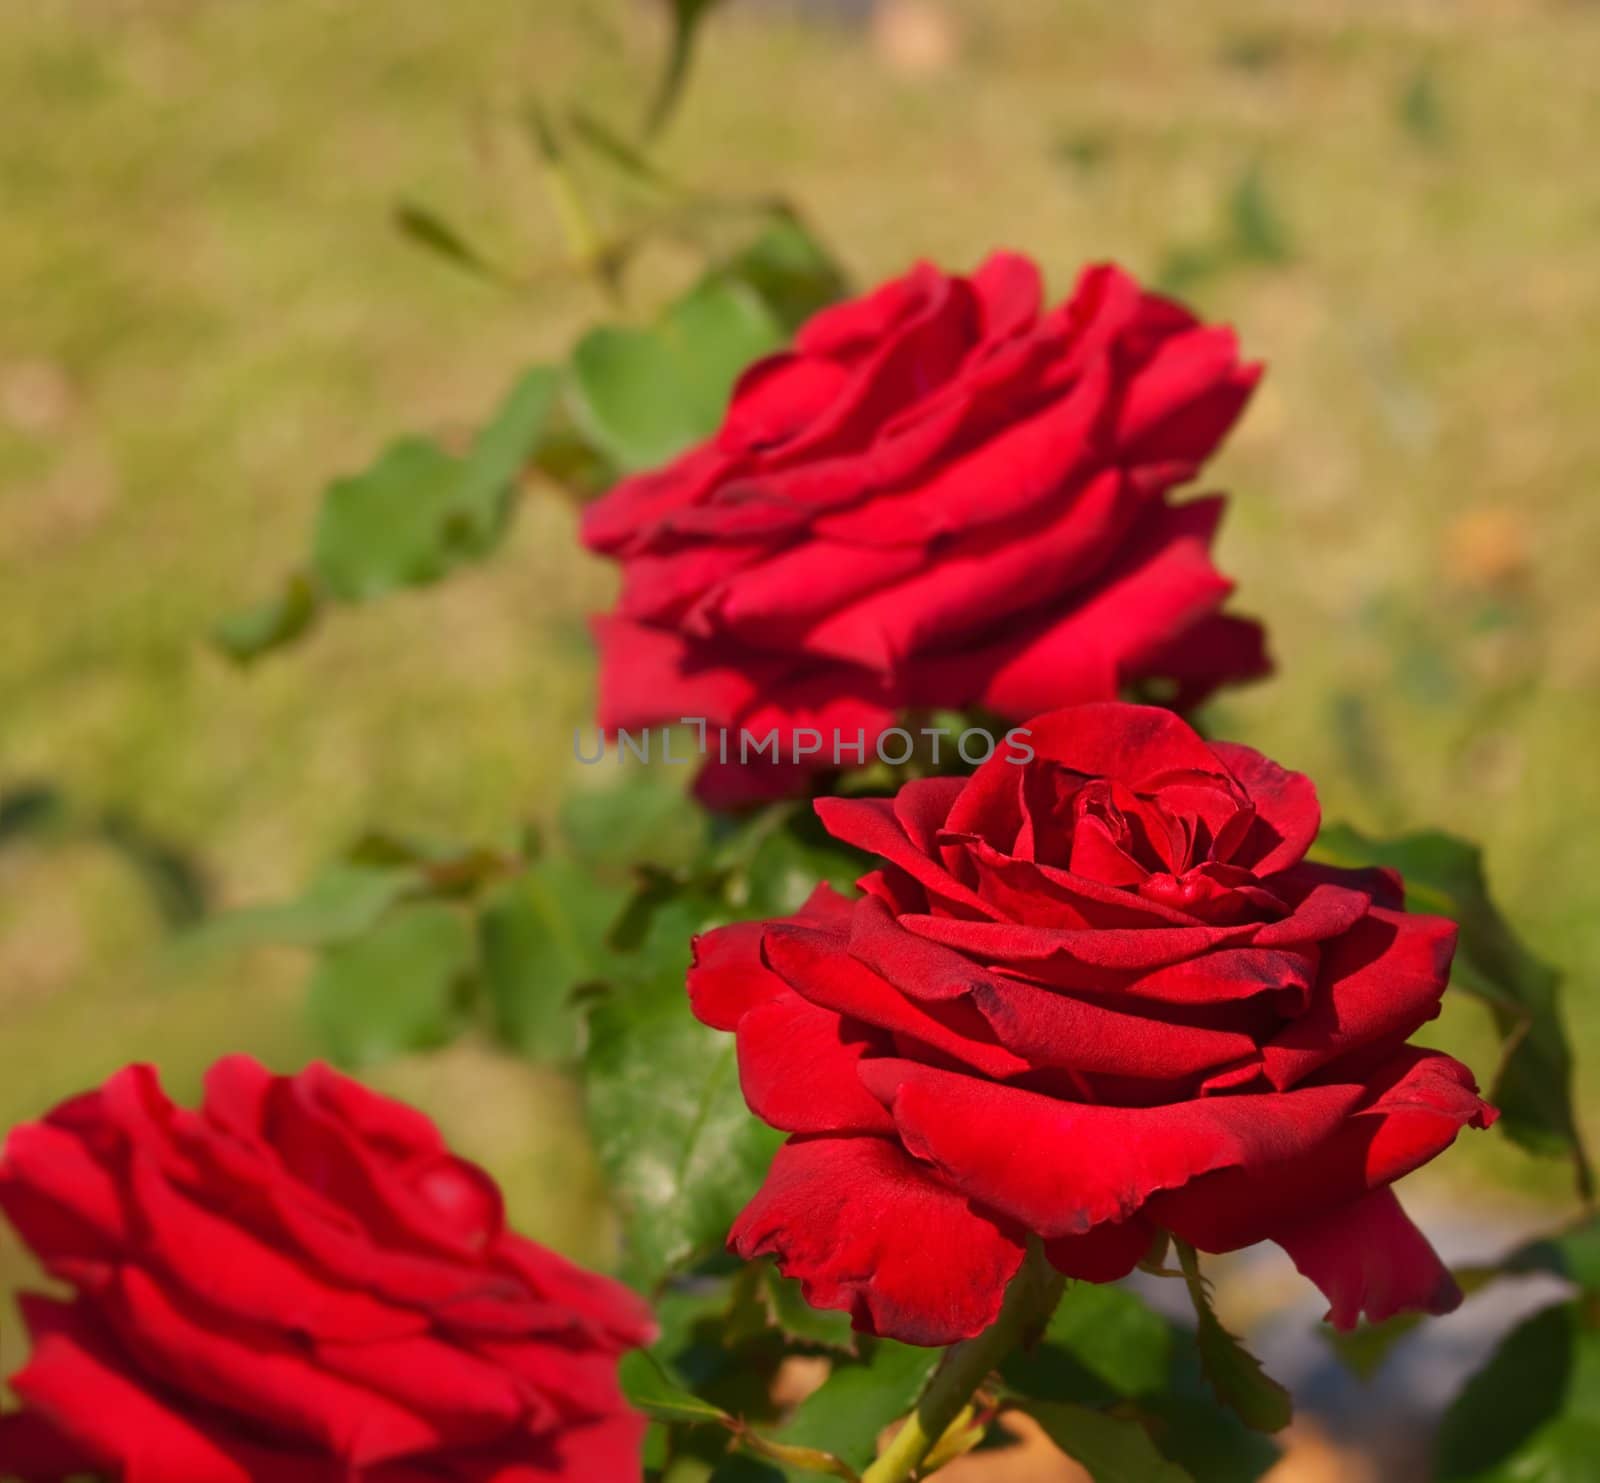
(1029,1302)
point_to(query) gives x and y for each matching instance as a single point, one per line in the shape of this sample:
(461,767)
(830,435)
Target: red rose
(1093,997)
(297,1284)
(939,498)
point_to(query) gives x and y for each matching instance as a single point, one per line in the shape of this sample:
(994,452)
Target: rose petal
(257,1376)
(1405,1107)
(868,1230)
(1371,1261)
(1105,1254)
(80,1385)
(777,1038)
(728,977)
(1288,815)
(1062,1168)
(1382,980)
(206,1255)
(1049,1028)
(870,824)
(816,965)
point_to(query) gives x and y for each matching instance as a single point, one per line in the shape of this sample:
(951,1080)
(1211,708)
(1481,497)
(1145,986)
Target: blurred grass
(206,314)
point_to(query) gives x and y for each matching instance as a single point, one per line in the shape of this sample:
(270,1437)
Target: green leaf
(1444,875)
(1111,1449)
(650,1389)
(1102,1344)
(568,456)
(627,397)
(1235,1374)
(740,1467)
(418,512)
(1533,1412)
(797,1320)
(627,158)
(645,395)
(790,270)
(856,1402)
(1573,1254)
(1238,1379)
(246,635)
(380,530)
(479,507)
(425,227)
(395,989)
(790,861)
(342,902)
(1105,1349)
(715,331)
(682,1151)
(1194,1431)
(1259,234)
(541,937)
(644,817)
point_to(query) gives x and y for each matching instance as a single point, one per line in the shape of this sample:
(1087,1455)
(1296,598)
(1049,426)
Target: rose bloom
(1093,998)
(297,1284)
(941,497)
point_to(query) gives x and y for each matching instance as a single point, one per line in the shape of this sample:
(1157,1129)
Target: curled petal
(867,1229)
(1371,1261)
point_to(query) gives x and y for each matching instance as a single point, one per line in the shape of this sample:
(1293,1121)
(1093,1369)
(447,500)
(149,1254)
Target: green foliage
(1573,1253)
(681,1150)
(1212,1443)
(1533,1086)
(1258,231)
(419,512)
(859,1399)
(429,230)
(650,1389)
(789,269)
(383,528)
(1102,1344)
(1113,1449)
(787,862)
(799,1322)
(345,900)
(708,1382)
(644,395)
(1253,233)
(1235,1374)
(410,519)
(1533,1412)
(542,936)
(643,818)
(398,988)
(629,397)
(250,632)
(1106,1351)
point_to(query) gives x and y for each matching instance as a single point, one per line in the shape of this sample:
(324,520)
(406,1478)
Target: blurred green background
(205,313)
